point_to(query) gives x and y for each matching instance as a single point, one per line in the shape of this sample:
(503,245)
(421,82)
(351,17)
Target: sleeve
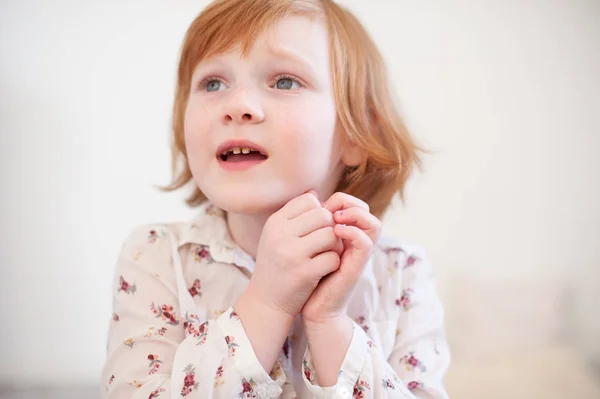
(420,356)
(154,352)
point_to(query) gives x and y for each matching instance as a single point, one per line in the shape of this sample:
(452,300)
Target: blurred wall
(504,93)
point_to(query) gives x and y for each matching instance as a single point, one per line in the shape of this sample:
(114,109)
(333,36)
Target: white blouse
(174,334)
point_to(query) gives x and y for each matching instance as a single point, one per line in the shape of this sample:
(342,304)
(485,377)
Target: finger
(299,205)
(318,241)
(360,218)
(344,201)
(311,220)
(323,264)
(357,238)
(339,247)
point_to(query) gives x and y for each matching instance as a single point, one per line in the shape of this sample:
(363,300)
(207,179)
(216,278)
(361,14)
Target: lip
(240,165)
(239,143)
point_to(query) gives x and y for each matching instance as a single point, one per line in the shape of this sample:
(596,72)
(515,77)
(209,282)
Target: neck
(246,230)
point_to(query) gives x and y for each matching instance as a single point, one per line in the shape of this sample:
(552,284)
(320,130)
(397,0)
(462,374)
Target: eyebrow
(280,52)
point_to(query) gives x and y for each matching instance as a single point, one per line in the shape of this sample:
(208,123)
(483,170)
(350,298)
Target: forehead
(293,36)
(301,31)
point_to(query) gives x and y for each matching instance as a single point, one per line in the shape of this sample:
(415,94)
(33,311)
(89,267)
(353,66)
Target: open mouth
(242,154)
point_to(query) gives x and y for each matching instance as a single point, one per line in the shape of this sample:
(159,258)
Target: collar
(209,229)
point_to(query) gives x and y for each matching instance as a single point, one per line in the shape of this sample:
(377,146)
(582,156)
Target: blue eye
(213,85)
(286,84)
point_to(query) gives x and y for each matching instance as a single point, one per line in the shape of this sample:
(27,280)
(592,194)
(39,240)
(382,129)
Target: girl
(281,287)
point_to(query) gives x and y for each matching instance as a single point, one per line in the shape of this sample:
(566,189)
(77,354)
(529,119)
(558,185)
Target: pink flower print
(202,255)
(371,344)
(360,321)
(359,389)
(414,385)
(202,333)
(405,299)
(307,371)
(194,290)
(193,327)
(189,381)
(156,393)
(115,317)
(219,377)
(234,315)
(410,261)
(154,363)
(190,321)
(231,345)
(386,383)
(166,312)
(152,236)
(125,286)
(162,331)
(411,363)
(247,389)
(111,379)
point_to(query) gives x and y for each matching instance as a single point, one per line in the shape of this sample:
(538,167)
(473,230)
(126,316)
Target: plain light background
(504,93)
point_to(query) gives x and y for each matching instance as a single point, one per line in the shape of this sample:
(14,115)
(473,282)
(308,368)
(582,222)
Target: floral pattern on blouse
(173,332)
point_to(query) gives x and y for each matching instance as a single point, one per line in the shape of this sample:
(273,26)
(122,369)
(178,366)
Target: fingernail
(342,226)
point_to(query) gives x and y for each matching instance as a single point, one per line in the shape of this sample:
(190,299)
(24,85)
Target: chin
(247,202)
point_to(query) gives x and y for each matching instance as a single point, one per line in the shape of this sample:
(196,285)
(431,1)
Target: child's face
(280,99)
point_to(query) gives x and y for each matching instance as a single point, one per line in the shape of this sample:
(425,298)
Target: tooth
(236,150)
(225,152)
(245,150)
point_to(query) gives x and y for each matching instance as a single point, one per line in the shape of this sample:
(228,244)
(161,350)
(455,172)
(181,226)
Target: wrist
(328,343)
(265,328)
(249,304)
(338,324)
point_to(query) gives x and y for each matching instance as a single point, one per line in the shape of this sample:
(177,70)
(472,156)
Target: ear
(352,155)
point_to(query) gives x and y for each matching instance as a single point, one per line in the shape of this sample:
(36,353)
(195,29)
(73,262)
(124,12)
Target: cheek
(309,129)
(195,128)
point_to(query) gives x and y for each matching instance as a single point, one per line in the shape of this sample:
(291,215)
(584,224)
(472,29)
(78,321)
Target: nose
(243,107)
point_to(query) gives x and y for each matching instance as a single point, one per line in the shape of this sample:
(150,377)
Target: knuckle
(311,199)
(337,196)
(329,233)
(364,205)
(324,215)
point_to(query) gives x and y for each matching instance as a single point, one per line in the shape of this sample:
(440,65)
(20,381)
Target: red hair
(367,116)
